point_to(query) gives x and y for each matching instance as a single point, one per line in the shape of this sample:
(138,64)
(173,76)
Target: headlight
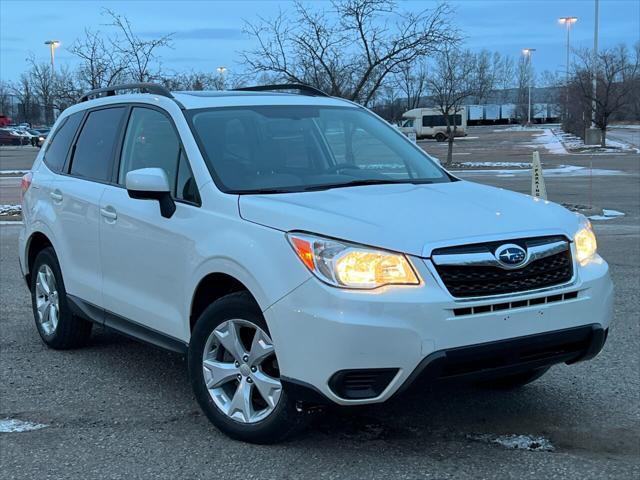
(346,265)
(585,240)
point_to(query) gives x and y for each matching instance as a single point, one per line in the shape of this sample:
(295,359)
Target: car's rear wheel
(440,137)
(514,381)
(234,373)
(57,326)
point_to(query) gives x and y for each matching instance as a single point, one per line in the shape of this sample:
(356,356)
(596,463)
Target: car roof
(189,100)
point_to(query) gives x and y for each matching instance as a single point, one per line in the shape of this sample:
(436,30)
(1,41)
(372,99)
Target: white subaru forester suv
(299,250)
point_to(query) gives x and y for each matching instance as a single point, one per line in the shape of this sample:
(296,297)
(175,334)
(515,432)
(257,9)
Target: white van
(430,123)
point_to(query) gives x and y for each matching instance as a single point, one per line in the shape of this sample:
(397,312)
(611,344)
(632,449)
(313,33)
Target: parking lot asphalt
(120,409)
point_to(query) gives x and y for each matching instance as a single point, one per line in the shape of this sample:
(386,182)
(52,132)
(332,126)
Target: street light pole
(568,21)
(529,52)
(222,70)
(53,44)
(594,68)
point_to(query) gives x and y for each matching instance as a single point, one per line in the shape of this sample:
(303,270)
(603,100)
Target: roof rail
(301,87)
(143,87)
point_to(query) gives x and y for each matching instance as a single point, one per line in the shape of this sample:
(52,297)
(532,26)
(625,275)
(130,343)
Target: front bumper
(321,332)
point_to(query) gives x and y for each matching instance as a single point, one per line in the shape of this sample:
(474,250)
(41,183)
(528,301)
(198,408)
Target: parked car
(10,137)
(430,123)
(299,251)
(37,137)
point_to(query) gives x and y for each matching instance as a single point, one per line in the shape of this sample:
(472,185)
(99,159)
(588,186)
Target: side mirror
(151,184)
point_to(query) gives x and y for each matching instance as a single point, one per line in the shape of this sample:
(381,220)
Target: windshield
(275,149)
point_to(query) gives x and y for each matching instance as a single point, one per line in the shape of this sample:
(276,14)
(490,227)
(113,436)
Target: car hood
(412,219)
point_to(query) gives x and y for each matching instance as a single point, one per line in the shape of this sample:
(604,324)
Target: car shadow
(429,414)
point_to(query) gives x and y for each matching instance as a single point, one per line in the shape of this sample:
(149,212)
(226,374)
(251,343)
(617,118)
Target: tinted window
(298,147)
(439,120)
(59,144)
(93,157)
(150,142)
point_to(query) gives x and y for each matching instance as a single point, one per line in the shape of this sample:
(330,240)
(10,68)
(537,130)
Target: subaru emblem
(511,255)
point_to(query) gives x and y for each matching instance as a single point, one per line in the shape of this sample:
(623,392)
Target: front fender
(259,257)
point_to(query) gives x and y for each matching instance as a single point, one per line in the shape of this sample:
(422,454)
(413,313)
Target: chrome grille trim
(487,259)
(473,271)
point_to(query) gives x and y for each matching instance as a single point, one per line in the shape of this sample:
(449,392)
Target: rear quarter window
(58,146)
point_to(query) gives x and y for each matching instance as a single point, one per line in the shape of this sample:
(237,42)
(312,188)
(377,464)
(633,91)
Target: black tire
(285,418)
(71,331)
(440,137)
(514,381)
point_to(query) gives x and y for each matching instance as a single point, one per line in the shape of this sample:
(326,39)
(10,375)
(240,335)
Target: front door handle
(56,195)
(109,213)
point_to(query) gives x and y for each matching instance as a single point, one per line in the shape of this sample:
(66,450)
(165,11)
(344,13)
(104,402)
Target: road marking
(10,222)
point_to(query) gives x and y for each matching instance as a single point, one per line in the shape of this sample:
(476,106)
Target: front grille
(476,281)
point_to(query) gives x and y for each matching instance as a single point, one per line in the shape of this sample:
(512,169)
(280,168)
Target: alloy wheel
(241,371)
(47,303)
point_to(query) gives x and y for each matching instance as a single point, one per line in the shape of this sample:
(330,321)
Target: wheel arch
(37,241)
(212,287)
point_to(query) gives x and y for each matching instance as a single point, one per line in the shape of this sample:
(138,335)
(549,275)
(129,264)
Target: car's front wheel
(234,373)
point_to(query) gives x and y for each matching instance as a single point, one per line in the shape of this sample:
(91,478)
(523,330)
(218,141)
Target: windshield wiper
(262,191)
(362,182)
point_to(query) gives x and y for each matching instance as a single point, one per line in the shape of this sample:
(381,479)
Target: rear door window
(96,145)
(58,146)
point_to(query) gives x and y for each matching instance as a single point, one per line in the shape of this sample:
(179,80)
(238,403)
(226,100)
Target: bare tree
(351,57)
(28,108)
(139,56)
(505,74)
(43,82)
(457,76)
(617,71)
(100,66)
(411,81)
(5,98)
(67,89)
(195,81)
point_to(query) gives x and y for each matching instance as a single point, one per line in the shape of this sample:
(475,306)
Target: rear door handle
(108,213)
(56,195)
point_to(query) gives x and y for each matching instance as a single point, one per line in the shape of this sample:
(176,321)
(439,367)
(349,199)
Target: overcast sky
(209,34)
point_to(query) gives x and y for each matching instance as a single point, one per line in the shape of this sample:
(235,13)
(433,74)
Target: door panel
(145,261)
(145,257)
(77,236)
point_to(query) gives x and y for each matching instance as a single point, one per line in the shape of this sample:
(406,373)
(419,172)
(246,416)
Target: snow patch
(14,172)
(532,443)
(572,142)
(607,215)
(6,210)
(549,141)
(631,126)
(518,128)
(497,164)
(12,425)
(560,171)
